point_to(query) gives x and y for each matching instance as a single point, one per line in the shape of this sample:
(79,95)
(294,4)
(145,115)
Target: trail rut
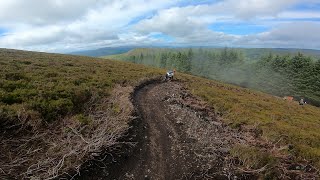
(178,137)
(182,138)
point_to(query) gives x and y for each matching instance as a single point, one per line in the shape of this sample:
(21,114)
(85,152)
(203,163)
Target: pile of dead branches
(62,147)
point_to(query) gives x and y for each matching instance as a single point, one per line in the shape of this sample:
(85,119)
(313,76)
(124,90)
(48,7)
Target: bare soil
(178,137)
(174,143)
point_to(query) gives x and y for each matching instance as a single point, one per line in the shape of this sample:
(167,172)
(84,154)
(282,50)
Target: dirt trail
(160,158)
(182,139)
(179,137)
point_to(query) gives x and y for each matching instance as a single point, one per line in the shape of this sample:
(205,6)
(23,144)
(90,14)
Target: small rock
(224,150)
(179,122)
(95,154)
(216,123)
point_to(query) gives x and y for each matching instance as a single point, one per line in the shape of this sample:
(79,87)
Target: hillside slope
(272,118)
(102,51)
(59,111)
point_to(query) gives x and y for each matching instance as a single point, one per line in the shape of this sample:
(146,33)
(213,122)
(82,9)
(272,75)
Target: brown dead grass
(49,154)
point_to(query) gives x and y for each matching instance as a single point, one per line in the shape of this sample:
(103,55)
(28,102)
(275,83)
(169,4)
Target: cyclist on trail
(170,74)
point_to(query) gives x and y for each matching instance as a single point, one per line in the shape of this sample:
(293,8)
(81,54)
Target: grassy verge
(276,120)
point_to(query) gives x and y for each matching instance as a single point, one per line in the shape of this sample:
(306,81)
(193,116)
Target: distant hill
(255,53)
(103,51)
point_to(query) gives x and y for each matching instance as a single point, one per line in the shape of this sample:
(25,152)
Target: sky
(73,25)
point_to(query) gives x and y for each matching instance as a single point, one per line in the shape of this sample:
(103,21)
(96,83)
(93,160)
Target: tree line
(294,75)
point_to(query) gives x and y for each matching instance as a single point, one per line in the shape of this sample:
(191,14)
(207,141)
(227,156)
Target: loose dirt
(178,136)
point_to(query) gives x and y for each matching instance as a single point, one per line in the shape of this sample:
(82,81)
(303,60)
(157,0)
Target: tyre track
(178,137)
(165,151)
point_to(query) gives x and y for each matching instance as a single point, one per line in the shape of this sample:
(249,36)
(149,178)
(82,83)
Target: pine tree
(163,60)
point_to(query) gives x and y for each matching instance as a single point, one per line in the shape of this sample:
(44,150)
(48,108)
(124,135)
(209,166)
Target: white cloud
(253,8)
(39,12)
(299,14)
(189,25)
(95,26)
(294,35)
(61,25)
(180,21)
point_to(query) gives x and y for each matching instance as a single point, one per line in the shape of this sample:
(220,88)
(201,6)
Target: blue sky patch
(306,7)
(139,18)
(297,19)
(196,2)
(162,36)
(238,28)
(3,31)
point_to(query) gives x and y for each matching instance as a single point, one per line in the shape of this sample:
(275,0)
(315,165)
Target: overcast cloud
(70,25)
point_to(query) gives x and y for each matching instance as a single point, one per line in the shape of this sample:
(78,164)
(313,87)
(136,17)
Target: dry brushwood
(63,147)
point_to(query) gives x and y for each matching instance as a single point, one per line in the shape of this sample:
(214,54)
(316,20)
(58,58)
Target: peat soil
(177,137)
(183,138)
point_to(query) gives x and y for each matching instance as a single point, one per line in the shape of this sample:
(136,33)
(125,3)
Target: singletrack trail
(178,137)
(182,138)
(161,156)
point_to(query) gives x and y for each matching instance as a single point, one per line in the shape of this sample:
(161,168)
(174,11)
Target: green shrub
(51,74)
(12,85)
(15,76)
(9,114)
(79,97)
(10,98)
(51,110)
